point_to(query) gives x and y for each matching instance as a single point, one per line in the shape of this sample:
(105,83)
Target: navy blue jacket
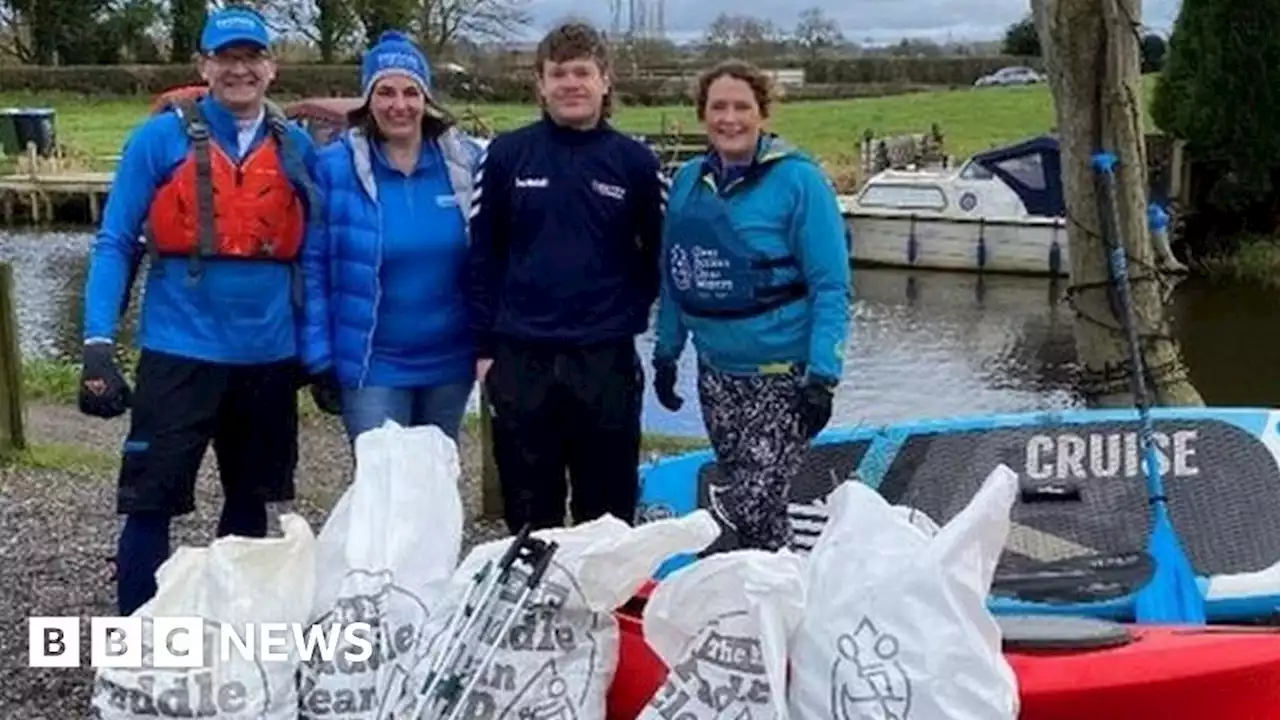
(566,228)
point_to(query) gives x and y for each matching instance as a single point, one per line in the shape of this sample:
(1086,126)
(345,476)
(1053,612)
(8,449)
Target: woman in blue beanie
(386,329)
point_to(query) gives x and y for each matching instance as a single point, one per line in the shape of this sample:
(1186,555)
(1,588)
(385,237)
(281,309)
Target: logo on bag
(870,679)
(724,672)
(556,624)
(349,688)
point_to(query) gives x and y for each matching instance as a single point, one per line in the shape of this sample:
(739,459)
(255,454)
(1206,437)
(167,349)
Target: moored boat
(1000,211)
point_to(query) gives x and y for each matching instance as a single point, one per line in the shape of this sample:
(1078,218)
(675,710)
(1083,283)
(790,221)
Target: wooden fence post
(12,433)
(490,488)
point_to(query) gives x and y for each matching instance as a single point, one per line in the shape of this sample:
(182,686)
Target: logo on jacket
(609,191)
(532,182)
(447,200)
(681,272)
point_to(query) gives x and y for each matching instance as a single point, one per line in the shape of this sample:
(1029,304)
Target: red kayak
(1071,669)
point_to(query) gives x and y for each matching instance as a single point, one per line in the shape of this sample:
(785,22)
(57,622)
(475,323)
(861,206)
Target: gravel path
(57,533)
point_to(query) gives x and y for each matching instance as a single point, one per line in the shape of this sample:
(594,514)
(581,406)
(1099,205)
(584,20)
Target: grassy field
(972,120)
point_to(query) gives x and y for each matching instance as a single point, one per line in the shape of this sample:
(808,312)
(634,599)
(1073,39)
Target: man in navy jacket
(566,227)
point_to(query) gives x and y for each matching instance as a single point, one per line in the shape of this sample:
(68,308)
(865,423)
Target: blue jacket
(376,324)
(241,311)
(565,236)
(755,269)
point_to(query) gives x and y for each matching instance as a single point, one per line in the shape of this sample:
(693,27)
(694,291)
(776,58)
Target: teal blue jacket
(781,207)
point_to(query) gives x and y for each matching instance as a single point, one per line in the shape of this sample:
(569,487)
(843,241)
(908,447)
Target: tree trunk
(1091,52)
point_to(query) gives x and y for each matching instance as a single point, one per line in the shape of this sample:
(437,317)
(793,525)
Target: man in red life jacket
(219,190)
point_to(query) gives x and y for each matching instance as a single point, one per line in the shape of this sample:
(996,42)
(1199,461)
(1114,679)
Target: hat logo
(233,23)
(397,59)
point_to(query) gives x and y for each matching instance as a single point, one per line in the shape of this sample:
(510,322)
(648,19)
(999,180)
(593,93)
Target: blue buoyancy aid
(714,273)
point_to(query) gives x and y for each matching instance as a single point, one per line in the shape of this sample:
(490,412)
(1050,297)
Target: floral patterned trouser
(755,428)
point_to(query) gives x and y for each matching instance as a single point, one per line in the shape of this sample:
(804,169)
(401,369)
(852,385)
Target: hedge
(856,77)
(322,81)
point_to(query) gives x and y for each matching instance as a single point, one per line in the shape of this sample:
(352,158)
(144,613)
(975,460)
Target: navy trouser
(572,410)
(250,415)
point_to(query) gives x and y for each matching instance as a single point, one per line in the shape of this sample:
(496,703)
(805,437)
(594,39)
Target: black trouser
(566,409)
(250,414)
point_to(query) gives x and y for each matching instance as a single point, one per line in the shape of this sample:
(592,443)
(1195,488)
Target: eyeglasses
(233,56)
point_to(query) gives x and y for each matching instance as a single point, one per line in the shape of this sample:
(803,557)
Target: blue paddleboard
(1081,522)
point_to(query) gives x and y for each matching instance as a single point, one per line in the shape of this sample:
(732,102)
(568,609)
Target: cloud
(879,20)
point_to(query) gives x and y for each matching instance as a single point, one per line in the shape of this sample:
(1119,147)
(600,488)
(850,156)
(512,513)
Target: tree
(378,16)
(331,25)
(186,19)
(443,22)
(79,32)
(1022,39)
(1153,52)
(742,36)
(1214,93)
(816,33)
(1091,59)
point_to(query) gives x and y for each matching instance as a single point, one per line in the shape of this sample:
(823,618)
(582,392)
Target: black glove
(815,405)
(326,392)
(664,384)
(104,393)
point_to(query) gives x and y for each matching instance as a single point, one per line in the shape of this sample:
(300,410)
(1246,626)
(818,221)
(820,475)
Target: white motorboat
(1001,211)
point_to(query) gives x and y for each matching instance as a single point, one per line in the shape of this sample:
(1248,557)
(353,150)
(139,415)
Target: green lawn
(972,120)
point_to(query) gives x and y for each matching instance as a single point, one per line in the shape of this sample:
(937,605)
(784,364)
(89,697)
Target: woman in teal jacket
(756,272)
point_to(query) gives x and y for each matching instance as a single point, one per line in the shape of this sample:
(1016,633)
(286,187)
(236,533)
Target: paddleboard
(1079,537)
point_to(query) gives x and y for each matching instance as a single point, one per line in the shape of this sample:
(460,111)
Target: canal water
(922,345)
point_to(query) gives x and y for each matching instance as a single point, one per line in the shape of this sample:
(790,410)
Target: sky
(860,20)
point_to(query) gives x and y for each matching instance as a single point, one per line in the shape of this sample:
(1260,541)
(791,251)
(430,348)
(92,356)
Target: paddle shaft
(1119,266)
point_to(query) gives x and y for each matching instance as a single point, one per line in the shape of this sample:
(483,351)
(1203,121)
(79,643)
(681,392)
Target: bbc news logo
(183,642)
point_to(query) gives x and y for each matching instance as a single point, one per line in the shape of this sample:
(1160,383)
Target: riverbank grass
(971,120)
(1255,260)
(63,457)
(53,382)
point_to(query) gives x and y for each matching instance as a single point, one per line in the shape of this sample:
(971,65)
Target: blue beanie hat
(394,54)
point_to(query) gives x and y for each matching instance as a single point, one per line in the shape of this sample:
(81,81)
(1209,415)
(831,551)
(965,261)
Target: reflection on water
(929,345)
(921,345)
(1231,343)
(49,271)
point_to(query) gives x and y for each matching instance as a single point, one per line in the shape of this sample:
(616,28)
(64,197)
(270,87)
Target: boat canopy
(1032,169)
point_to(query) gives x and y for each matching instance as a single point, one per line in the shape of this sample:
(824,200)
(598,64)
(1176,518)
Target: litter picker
(458,658)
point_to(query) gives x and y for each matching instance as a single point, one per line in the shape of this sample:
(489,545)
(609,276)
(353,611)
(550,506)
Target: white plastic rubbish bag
(559,658)
(239,582)
(722,626)
(896,623)
(384,556)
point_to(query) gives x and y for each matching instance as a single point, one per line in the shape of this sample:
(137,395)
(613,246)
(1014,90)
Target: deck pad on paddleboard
(1084,505)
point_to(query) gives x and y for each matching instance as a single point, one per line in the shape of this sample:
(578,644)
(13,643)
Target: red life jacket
(213,207)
